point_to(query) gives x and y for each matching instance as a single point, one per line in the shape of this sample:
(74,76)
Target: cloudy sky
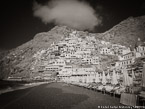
(22,19)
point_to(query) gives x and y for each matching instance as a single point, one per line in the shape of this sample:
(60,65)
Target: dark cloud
(72,13)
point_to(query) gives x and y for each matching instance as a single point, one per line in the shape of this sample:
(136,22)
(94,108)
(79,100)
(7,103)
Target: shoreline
(29,85)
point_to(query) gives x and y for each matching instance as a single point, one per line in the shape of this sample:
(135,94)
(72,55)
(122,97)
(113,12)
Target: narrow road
(56,96)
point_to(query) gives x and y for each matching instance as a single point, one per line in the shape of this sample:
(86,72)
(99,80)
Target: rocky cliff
(126,32)
(17,62)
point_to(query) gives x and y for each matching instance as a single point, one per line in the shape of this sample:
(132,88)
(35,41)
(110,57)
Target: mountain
(126,32)
(17,61)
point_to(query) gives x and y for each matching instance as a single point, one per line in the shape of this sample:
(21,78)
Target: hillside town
(72,54)
(85,61)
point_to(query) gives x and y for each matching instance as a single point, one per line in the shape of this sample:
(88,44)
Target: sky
(21,20)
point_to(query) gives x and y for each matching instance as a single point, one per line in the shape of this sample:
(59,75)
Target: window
(127,62)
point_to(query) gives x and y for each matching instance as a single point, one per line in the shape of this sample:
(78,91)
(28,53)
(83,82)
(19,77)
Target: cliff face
(17,62)
(126,32)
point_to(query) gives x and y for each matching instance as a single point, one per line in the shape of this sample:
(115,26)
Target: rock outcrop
(126,32)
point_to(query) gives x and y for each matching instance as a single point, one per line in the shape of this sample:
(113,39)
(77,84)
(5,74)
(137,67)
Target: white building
(127,56)
(52,68)
(106,51)
(57,62)
(66,70)
(140,51)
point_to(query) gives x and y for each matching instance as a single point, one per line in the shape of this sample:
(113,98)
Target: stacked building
(79,59)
